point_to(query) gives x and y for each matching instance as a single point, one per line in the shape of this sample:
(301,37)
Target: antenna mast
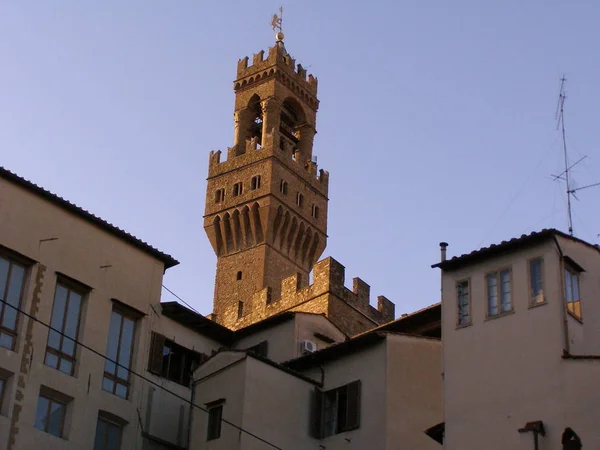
(560,117)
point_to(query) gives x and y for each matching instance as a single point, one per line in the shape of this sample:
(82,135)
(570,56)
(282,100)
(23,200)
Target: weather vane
(276,24)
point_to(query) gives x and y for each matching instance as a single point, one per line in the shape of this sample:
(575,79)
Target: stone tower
(266,205)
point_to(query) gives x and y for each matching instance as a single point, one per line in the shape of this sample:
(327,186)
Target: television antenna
(565,175)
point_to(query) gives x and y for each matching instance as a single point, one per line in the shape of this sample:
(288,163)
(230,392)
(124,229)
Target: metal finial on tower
(276,24)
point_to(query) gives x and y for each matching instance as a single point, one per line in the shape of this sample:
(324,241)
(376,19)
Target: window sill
(578,319)
(536,305)
(464,325)
(498,316)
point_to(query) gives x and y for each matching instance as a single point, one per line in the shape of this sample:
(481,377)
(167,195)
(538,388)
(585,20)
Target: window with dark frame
(283,187)
(66,317)
(215,415)
(536,282)
(12,282)
(219,195)
(255,182)
(240,309)
(173,361)
(3,382)
(120,349)
(337,410)
(108,434)
(237,189)
(463,302)
(572,291)
(50,416)
(315,211)
(499,293)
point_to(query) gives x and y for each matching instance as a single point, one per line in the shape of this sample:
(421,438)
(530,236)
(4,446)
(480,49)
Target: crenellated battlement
(318,178)
(277,63)
(319,297)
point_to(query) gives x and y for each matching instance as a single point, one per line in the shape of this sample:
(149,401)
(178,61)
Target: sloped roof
(525,240)
(168,260)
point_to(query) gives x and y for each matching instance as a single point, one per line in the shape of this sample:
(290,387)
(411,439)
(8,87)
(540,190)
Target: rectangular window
(536,281)
(172,361)
(66,315)
(283,187)
(215,414)
(240,311)
(299,199)
(464,302)
(499,292)
(50,416)
(572,292)
(3,382)
(237,189)
(120,349)
(12,281)
(108,435)
(337,410)
(315,211)
(255,182)
(219,195)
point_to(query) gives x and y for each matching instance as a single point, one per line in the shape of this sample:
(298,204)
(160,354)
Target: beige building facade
(522,344)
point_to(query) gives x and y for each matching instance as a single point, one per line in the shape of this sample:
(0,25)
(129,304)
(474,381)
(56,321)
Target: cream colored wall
(504,372)
(414,400)
(79,252)
(165,415)
(368,366)
(284,338)
(584,336)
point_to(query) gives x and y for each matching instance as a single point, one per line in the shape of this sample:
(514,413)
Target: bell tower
(266,205)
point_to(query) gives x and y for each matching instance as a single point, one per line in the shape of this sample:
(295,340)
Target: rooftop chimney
(443,246)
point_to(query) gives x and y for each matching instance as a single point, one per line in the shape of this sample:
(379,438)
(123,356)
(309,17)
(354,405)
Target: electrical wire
(179,298)
(18,309)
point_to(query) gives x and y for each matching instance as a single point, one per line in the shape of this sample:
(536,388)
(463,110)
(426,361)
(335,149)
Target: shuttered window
(335,411)
(172,361)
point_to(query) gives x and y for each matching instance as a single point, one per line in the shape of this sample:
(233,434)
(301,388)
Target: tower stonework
(266,205)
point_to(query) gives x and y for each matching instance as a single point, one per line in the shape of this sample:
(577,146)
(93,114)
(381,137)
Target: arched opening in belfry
(255,119)
(291,117)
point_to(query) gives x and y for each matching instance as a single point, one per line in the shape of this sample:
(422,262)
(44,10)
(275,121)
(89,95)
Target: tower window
(237,189)
(283,187)
(315,211)
(219,195)
(255,183)
(239,275)
(299,199)
(240,309)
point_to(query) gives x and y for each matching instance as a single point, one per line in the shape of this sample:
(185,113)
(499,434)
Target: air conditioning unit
(308,347)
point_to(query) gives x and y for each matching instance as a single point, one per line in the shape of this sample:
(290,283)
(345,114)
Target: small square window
(237,189)
(215,414)
(50,416)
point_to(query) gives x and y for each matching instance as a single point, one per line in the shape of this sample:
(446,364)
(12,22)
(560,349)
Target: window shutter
(316,414)
(353,411)
(156,353)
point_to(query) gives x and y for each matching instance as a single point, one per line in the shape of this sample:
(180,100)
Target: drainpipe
(189,436)
(566,349)
(536,428)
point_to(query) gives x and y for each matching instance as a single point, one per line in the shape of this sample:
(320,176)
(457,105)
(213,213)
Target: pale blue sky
(434,116)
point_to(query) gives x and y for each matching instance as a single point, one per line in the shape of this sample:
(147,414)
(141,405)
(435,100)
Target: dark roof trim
(197,322)
(168,260)
(514,244)
(571,262)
